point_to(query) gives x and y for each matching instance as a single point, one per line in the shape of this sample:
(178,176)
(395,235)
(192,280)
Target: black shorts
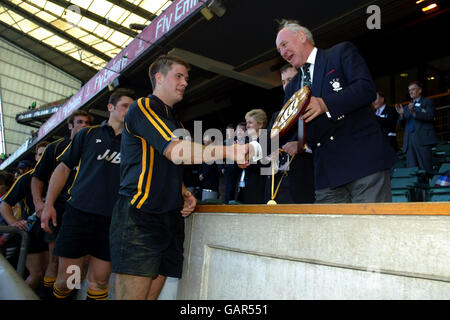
(144,244)
(60,207)
(82,234)
(36,239)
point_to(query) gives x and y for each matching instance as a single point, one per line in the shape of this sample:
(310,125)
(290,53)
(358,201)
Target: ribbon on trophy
(288,116)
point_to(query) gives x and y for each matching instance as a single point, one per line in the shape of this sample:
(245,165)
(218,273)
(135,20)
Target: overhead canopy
(77,36)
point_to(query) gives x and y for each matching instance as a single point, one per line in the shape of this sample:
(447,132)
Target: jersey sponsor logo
(114,157)
(98,140)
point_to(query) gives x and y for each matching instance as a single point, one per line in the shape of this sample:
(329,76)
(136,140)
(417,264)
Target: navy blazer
(388,120)
(349,145)
(423,132)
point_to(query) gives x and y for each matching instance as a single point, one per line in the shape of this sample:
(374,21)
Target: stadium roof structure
(77,36)
(234,61)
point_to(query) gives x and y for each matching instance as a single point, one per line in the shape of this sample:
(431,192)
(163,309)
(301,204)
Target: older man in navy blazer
(420,137)
(351,157)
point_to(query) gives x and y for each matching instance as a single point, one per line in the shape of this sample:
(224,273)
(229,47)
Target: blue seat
(405,172)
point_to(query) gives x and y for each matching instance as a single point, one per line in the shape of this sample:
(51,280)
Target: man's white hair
(294,26)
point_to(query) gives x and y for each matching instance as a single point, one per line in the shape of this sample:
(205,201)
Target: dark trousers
(419,156)
(372,188)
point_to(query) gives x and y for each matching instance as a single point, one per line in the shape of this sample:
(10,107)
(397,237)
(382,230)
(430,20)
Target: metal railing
(13,287)
(23,246)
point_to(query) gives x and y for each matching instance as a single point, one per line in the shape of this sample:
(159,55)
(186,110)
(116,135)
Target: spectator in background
(387,118)
(3,157)
(287,72)
(297,185)
(420,137)
(241,133)
(229,170)
(240,137)
(24,166)
(209,176)
(252,182)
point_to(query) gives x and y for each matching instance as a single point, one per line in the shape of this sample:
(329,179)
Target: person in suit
(251,180)
(352,159)
(297,185)
(229,170)
(209,175)
(387,118)
(419,137)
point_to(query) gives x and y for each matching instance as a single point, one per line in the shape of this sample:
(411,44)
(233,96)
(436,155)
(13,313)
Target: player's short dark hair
(119,93)
(77,113)
(6,178)
(163,64)
(41,144)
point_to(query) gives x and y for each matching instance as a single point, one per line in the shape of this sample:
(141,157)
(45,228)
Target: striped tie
(306,75)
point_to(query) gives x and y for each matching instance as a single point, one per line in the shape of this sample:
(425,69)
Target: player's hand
(49,213)
(189,203)
(39,207)
(21,224)
(315,108)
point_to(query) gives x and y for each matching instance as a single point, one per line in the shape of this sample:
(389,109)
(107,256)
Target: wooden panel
(407,208)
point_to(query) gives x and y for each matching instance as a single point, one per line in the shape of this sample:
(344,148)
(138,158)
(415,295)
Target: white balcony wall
(25,78)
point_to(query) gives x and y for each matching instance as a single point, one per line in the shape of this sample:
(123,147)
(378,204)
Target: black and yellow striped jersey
(95,152)
(151,181)
(48,162)
(21,190)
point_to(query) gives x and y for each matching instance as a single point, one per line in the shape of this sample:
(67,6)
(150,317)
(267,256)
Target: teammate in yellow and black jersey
(84,232)
(41,176)
(95,152)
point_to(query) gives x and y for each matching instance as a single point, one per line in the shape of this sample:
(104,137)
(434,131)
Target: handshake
(245,154)
(187,152)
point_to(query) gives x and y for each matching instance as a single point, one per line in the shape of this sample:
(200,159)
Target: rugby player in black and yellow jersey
(95,151)
(78,120)
(147,227)
(37,248)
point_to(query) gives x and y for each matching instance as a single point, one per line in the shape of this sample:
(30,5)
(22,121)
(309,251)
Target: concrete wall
(24,78)
(315,256)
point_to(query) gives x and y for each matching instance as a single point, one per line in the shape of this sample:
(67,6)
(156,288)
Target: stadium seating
(439,187)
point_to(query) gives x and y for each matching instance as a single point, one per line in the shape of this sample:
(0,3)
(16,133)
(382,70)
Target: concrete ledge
(317,255)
